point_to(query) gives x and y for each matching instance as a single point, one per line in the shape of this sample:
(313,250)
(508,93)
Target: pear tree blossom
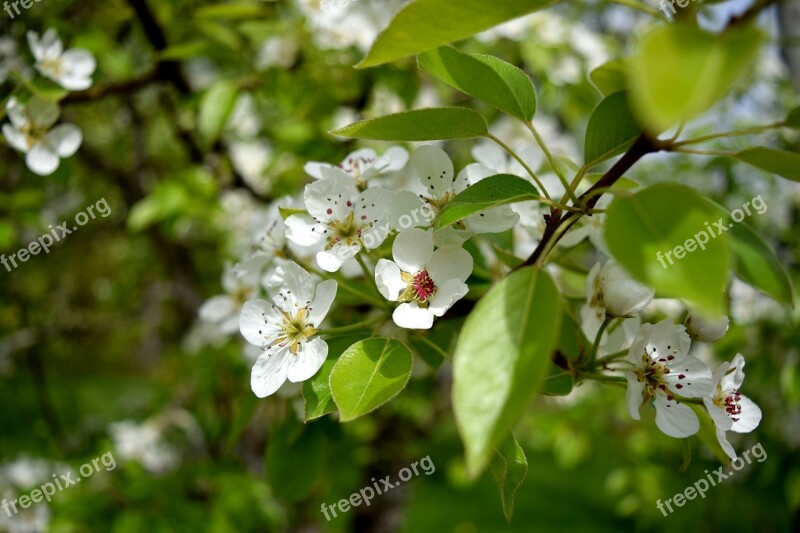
(706,329)
(285,329)
(31,132)
(361,166)
(425,281)
(72,69)
(664,373)
(730,409)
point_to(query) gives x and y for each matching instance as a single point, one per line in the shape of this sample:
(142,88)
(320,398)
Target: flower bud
(706,329)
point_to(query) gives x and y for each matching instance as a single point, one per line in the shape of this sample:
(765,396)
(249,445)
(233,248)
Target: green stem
(513,154)
(604,377)
(734,133)
(425,340)
(366,324)
(704,152)
(597,338)
(552,161)
(610,357)
(575,182)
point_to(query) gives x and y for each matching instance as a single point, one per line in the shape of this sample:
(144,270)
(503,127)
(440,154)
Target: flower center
(731,403)
(355,165)
(52,65)
(295,330)
(347,231)
(423,286)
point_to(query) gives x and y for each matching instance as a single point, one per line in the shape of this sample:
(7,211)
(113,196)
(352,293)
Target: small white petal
(634,395)
(41,160)
(491,156)
(434,168)
(409,211)
(64,139)
(690,377)
(388,279)
(78,62)
(749,418)
(303,230)
(449,262)
(675,419)
(718,415)
(16,139)
(327,200)
(332,260)
(258,322)
(726,446)
(450,236)
(393,159)
(412,316)
(447,294)
(307,361)
(494,220)
(321,304)
(216,309)
(733,380)
(411,250)
(269,373)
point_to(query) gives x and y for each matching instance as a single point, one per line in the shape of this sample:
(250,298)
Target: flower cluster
(32,129)
(659,367)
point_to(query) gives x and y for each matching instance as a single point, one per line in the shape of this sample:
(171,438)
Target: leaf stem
(552,161)
(597,338)
(365,324)
(433,345)
(733,133)
(513,154)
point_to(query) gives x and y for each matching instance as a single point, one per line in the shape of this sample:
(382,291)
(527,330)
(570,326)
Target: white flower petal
(749,418)
(64,139)
(329,200)
(411,250)
(449,262)
(374,207)
(675,419)
(434,168)
(393,159)
(491,156)
(258,322)
(494,220)
(412,316)
(307,361)
(634,395)
(41,160)
(690,377)
(447,294)
(298,285)
(217,308)
(409,211)
(269,373)
(332,260)
(303,230)
(622,295)
(78,63)
(726,446)
(16,139)
(718,416)
(668,340)
(388,279)
(321,304)
(450,236)
(43,113)
(733,380)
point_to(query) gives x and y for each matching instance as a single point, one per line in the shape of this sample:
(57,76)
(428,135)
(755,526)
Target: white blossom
(72,69)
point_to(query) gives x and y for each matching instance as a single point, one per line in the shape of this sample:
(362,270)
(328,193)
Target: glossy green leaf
(755,262)
(508,469)
(368,374)
(423,25)
(681,71)
(784,164)
(316,391)
(793,118)
(612,129)
(216,106)
(656,235)
(501,357)
(484,77)
(420,125)
(609,77)
(500,189)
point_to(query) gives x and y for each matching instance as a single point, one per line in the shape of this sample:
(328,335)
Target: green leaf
(612,129)
(500,189)
(295,456)
(215,108)
(659,243)
(508,469)
(793,118)
(681,71)
(420,125)
(47,89)
(784,164)
(755,262)
(609,77)
(501,357)
(286,212)
(484,77)
(316,391)
(369,374)
(557,383)
(423,25)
